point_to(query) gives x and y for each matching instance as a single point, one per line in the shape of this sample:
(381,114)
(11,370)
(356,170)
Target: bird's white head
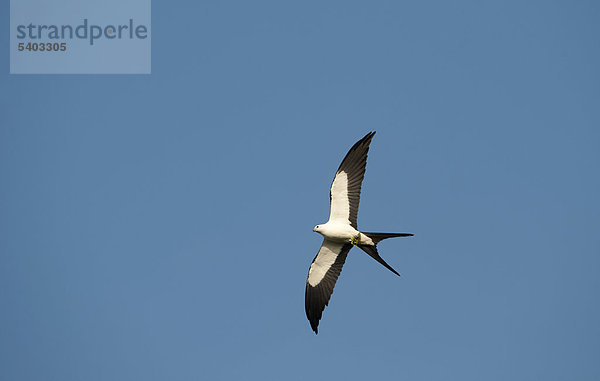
(317,228)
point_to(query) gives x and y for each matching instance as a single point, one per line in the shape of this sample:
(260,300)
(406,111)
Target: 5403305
(42,46)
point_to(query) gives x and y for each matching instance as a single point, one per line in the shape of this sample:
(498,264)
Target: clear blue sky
(160,227)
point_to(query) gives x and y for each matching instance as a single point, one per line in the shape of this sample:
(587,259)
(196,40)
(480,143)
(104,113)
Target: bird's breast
(338,232)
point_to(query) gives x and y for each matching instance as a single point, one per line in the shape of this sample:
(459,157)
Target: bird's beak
(314,229)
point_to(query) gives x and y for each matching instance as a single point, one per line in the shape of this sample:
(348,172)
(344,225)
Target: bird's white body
(340,231)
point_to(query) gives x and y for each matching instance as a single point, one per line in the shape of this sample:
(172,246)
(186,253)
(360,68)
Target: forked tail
(372,249)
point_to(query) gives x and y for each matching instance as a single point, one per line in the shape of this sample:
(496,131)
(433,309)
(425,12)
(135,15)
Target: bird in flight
(340,233)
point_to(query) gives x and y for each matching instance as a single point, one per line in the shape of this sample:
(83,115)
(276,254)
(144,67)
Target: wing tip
(369,135)
(314,317)
(365,139)
(363,145)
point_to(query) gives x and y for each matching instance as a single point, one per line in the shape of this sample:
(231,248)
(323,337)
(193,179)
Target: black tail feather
(372,251)
(378,237)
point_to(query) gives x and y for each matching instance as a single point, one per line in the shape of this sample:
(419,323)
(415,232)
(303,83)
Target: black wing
(322,275)
(344,194)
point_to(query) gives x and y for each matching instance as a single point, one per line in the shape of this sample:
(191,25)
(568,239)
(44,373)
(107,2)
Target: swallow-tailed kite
(340,233)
